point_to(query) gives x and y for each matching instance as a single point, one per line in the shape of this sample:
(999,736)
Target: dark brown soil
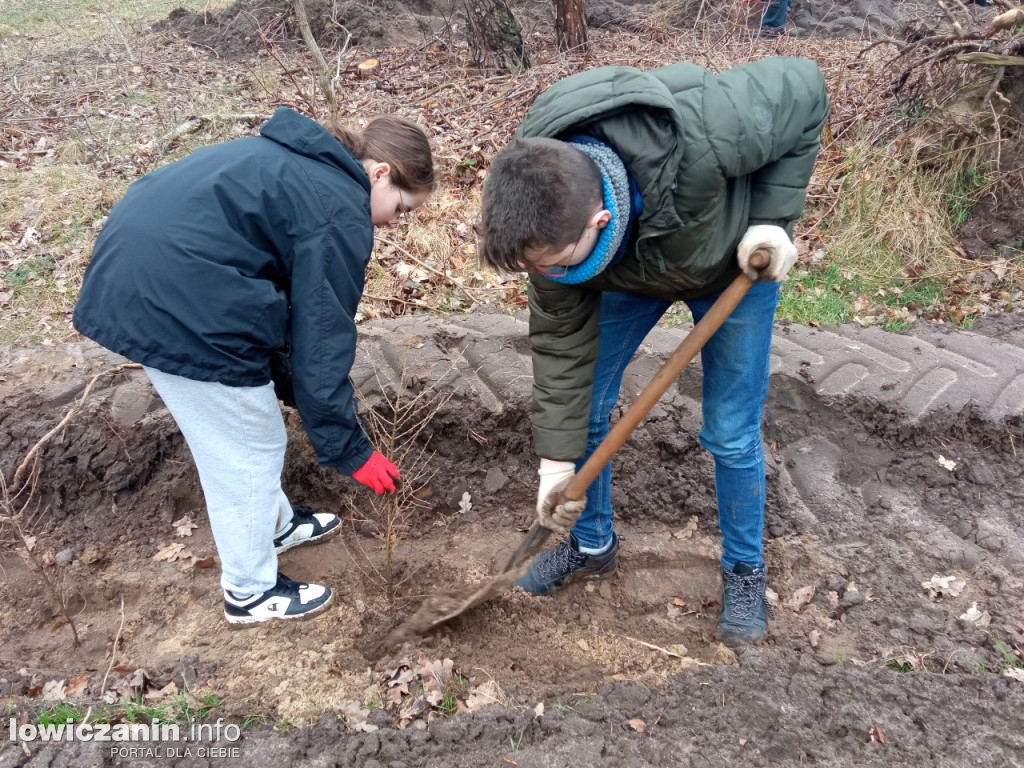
(861,514)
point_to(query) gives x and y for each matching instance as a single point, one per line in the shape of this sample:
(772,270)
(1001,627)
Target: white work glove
(772,239)
(554,476)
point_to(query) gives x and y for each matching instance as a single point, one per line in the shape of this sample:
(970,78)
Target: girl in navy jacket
(238,268)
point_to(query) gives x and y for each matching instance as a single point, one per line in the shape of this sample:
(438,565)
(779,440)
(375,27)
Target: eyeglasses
(555,270)
(561,270)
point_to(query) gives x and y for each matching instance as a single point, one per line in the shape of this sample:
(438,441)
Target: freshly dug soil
(867,504)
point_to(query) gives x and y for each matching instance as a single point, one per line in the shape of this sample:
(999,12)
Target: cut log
(368,68)
(1006,20)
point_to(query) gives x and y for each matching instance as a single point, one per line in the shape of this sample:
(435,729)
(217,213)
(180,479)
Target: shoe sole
(576,577)
(598,574)
(736,642)
(313,540)
(243,622)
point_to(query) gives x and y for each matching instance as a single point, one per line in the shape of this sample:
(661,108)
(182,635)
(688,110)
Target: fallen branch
(13,517)
(996,59)
(653,647)
(113,652)
(33,453)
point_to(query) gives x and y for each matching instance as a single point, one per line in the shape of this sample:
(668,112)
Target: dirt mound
(250,26)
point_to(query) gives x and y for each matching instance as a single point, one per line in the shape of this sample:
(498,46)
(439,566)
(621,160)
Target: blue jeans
(775,14)
(736,366)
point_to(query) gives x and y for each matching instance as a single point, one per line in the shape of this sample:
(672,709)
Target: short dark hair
(537,196)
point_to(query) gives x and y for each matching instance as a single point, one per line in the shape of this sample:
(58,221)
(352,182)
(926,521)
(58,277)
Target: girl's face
(387,201)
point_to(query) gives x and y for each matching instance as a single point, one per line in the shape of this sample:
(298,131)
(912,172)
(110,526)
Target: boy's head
(542,206)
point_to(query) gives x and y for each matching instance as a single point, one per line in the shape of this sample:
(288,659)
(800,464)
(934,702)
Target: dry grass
(92,99)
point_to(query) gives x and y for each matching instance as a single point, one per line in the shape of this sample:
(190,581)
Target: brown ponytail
(396,141)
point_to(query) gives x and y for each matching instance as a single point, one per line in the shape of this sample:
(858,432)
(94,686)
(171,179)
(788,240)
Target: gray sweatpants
(238,440)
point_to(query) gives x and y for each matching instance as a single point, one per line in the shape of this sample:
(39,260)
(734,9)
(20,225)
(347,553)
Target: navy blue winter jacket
(240,252)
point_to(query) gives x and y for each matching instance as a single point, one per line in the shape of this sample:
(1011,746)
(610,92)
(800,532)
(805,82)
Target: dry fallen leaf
(877,735)
(943,586)
(687,530)
(637,724)
(976,617)
(183,527)
(168,690)
(173,552)
(356,717)
(800,598)
(131,686)
(77,686)
(54,691)
(483,695)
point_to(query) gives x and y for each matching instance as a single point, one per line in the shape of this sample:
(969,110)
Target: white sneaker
(286,600)
(306,527)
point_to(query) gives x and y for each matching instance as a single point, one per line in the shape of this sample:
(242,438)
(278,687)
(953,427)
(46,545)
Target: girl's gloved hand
(378,474)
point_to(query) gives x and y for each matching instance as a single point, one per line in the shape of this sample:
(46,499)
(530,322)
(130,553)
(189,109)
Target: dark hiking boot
(745,609)
(565,563)
(285,600)
(306,527)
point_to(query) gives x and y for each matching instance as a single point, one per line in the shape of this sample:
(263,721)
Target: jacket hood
(580,98)
(307,137)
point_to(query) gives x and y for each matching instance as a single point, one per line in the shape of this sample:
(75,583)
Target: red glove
(378,474)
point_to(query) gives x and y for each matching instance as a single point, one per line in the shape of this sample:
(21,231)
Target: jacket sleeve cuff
(786,224)
(348,466)
(560,444)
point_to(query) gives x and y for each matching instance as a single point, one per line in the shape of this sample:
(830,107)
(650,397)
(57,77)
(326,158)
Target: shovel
(441,608)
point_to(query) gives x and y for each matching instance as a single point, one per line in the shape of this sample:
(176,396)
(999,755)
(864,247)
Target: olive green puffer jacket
(711,156)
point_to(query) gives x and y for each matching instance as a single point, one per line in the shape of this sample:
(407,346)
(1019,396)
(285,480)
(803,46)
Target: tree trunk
(571,25)
(495,37)
(323,72)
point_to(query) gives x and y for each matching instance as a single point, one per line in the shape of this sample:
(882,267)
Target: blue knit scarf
(620,197)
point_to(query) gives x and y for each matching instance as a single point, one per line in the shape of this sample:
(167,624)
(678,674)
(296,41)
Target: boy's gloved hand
(772,239)
(378,474)
(554,476)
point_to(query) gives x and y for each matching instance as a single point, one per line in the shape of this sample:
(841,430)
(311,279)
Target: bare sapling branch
(13,516)
(17,498)
(395,426)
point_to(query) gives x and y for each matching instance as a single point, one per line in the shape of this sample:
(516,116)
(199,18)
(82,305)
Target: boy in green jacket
(623,192)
